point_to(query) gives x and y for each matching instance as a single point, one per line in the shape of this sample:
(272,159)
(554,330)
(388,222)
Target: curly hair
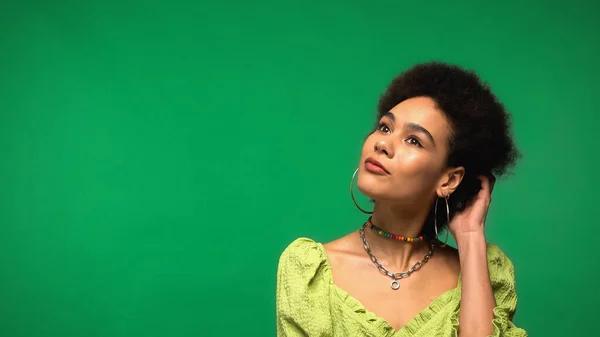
(481,138)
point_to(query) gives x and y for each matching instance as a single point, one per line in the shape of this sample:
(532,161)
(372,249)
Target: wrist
(469,237)
(472,249)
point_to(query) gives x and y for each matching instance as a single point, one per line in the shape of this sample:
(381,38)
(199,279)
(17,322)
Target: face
(403,160)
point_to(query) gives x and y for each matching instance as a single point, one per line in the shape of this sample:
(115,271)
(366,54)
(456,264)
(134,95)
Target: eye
(384,128)
(412,140)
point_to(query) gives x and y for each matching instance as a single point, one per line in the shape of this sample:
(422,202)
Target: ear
(450,181)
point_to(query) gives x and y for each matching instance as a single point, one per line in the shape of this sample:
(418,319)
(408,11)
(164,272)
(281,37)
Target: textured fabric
(310,304)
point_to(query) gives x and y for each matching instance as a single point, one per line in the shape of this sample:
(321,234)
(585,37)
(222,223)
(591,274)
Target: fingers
(487,186)
(487,182)
(492,182)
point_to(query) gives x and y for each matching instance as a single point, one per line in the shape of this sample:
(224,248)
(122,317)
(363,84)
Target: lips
(377,165)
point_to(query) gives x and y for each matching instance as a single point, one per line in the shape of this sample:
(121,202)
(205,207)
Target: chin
(372,185)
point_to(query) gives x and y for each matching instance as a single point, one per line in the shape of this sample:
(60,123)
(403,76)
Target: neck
(401,221)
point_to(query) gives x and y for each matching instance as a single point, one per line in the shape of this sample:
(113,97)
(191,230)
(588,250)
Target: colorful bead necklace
(390,235)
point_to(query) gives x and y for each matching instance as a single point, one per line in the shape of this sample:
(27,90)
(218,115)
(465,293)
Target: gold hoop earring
(352,193)
(447,219)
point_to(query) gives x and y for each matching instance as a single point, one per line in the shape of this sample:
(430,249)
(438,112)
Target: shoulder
(302,260)
(450,258)
(502,275)
(303,251)
(303,279)
(498,261)
(338,250)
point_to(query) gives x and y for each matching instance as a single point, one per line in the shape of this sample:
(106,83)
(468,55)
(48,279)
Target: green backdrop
(157,157)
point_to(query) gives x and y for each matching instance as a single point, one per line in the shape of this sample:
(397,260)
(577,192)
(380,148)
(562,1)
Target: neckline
(382,323)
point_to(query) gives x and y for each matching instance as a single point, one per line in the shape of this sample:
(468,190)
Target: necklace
(385,234)
(395,284)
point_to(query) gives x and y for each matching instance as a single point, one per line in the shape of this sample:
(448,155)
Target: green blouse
(310,304)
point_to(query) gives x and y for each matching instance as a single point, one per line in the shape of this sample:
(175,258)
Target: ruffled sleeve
(302,296)
(502,277)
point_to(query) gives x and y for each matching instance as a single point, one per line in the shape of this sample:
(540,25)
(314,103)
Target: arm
(488,296)
(285,304)
(477,297)
(301,297)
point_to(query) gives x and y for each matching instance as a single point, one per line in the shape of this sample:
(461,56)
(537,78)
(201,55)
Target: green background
(157,157)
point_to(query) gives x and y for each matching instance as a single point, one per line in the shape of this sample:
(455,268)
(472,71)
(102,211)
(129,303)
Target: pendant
(395,284)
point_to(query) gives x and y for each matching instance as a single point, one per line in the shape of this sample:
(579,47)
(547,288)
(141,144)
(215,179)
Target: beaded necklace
(390,235)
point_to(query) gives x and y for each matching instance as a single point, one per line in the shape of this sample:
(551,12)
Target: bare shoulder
(448,256)
(340,249)
(346,243)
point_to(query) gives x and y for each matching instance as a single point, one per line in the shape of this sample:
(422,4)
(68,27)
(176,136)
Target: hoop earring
(447,219)
(352,193)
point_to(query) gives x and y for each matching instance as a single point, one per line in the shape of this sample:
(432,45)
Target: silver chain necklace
(395,284)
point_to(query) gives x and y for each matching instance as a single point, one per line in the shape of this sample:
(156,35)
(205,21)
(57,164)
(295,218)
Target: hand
(472,219)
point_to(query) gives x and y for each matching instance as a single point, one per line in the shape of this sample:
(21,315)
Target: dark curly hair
(481,137)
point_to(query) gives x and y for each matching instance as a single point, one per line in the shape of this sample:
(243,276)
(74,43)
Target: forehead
(422,111)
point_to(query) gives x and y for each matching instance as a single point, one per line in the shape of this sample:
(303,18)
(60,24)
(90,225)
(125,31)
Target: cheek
(367,147)
(413,164)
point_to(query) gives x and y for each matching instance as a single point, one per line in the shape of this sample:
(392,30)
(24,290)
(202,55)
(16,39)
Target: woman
(430,162)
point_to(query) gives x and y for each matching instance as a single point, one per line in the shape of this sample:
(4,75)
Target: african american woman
(429,165)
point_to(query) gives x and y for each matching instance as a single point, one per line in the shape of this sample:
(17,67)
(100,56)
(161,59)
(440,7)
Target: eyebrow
(418,128)
(412,126)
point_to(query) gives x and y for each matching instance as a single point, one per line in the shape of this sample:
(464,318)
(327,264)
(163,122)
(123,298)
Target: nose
(382,146)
